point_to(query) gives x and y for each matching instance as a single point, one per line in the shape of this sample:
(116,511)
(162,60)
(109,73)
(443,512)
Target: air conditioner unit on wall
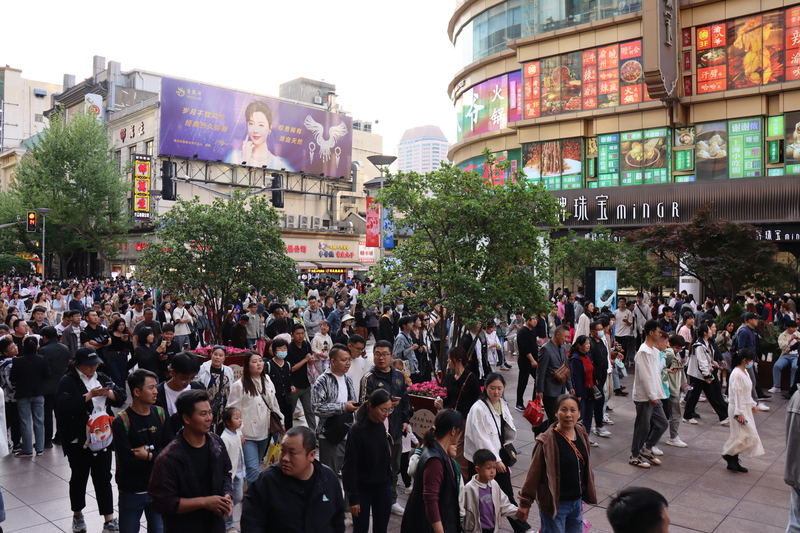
(291,221)
(303,222)
(316,222)
(318,100)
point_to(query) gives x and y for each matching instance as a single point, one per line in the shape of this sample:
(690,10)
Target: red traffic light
(31,221)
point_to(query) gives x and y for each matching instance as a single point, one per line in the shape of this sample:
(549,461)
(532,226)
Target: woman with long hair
(582,368)
(700,371)
(560,453)
(165,315)
(367,466)
(346,330)
(725,344)
(741,407)
(118,352)
(491,427)
(217,378)
(254,395)
(586,318)
(146,353)
(433,503)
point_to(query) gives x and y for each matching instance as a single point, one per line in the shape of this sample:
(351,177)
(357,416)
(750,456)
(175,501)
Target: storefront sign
(142,167)
(489,106)
(745,149)
(556,164)
(366,254)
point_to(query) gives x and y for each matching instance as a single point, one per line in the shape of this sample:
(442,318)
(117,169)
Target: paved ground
(703,495)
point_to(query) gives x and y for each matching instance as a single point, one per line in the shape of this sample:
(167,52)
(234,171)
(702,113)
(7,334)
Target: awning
(306,265)
(339,265)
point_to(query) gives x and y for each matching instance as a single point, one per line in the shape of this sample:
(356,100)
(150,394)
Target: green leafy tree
(70,168)
(467,243)
(573,255)
(724,256)
(14,264)
(222,247)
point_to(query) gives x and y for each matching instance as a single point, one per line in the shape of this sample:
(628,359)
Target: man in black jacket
(383,376)
(191,485)
(297,495)
(28,375)
(528,353)
(57,357)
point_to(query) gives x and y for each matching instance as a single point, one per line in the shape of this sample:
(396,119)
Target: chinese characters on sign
(373,223)
(489,106)
(142,167)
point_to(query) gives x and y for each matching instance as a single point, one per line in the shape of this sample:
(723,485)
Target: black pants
(49,406)
(84,463)
(374,332)
(549,403)
(714,398)
(404,468)
(599,408)
(504,482)
(525,371)
(12,423)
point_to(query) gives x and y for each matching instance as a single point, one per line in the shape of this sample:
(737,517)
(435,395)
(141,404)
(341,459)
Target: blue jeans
(780,365)
(31,407)
(254,451)
(794,513)
(182,339)
(131,506)
(568,520)
(237,499)
(380,501)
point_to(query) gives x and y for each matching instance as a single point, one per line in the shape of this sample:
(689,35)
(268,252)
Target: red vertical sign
(373,223)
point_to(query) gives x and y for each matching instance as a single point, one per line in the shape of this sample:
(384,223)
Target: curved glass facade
(487,33)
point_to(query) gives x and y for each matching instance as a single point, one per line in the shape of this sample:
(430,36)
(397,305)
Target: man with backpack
(140,433)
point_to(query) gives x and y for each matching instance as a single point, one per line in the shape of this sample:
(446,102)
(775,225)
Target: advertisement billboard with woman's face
(213,124)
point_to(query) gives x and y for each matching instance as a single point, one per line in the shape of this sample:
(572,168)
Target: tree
(724,256)
(14,264)
(70,169)
(573,255)
(470,244)
(222,247)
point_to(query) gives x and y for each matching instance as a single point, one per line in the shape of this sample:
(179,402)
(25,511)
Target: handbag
(595,392)
(336,427)
(275,424)
(273,454)
(561,374)
(534,412)
(508,454)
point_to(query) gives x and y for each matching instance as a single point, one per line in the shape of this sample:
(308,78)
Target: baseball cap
(750,316)
(87,356)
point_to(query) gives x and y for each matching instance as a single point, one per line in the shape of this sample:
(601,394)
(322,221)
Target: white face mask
(601,334)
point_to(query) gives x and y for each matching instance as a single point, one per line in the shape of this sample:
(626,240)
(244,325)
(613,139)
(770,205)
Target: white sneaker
(398,509)
(677,442)
(409,489)
(656,451)
(726,422)
(775,390)
(593,444)
(690,421)
(649,456)
(762,406)
(602,432)
(607,420)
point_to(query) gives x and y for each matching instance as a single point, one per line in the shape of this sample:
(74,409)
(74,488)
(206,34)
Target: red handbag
(534,412)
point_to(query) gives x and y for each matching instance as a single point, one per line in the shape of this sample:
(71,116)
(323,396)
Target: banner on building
(388,228)
(212,124)
(373,223)
(142,175)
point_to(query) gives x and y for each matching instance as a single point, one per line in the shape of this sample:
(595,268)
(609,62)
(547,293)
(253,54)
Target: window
(118,159)
(39,117)
(131,153)
(148,147)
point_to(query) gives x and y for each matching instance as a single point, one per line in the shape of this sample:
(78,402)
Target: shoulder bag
(275,425)
(508,454)
(458,400)
(561,374)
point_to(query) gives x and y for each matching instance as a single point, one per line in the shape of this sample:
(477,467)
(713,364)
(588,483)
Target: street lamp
(44,211)
(381,162)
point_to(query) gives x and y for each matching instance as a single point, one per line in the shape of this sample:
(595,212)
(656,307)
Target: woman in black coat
(82,392)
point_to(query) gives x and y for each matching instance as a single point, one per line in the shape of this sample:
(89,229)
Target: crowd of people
(131,372)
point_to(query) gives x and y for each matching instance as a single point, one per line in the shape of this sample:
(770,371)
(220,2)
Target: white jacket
(255,413)
(481,432)
(502,507)
(204,375)
(701,361)
(233,443)
(647,384)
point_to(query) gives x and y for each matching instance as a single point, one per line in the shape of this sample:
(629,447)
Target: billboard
(215,124)
(601,287)
(489,106)
(142,174)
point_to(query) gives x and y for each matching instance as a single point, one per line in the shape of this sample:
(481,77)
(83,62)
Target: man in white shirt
(353,296)
(648,391)
(624,325)
(182,319)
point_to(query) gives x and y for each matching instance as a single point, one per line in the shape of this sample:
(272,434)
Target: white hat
(347,316)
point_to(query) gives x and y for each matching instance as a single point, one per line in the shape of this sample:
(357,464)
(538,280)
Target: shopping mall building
(637,112)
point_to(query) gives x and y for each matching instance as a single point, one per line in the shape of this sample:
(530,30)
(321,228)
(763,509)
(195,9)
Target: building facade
(22,106)
(422,149)
(633,113)
(161,124)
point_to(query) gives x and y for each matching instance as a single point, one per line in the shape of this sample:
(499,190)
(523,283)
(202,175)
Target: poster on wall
(213,124)
(745,148)
(792,142)
(489,106)
(711,151)
(557,164)
(608,160)
(602,287)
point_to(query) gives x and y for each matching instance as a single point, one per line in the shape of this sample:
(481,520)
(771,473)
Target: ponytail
(378,397)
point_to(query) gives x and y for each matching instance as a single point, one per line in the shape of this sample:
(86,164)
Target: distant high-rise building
(422,149)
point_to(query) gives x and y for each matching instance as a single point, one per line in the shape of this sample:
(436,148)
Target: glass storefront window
(488,32)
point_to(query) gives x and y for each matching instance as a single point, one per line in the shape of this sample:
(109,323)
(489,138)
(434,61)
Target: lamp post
(44,212)
(381,162)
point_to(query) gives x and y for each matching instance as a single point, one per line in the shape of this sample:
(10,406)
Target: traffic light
(277,191)
(31,221)
(167,186)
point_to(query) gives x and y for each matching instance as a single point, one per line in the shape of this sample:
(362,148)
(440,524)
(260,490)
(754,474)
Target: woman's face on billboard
(258,127)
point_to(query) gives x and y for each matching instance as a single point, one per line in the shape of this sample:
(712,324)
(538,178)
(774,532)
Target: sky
(391,62)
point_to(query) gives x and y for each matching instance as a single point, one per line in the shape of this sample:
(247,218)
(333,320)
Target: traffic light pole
(44,211)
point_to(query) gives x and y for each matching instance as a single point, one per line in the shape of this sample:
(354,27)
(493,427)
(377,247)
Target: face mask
(601,334)
(400,307)
(749,365)
(281,355)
